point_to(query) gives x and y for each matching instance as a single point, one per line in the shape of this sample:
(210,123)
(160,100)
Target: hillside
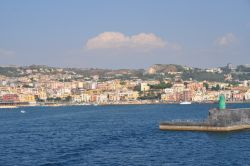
(165,68)
(157,71)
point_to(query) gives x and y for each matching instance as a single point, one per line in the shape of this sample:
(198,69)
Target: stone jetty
(219,119)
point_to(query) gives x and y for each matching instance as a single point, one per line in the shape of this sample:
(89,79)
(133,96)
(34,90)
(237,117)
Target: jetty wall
(203,128)
(227,117)
(218,120)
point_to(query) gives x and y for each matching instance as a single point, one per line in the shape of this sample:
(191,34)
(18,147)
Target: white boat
(85,104)
(22,111)
(8,106)
(185,102)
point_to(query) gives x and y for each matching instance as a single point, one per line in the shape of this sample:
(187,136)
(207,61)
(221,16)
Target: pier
(202,127)
(219,120)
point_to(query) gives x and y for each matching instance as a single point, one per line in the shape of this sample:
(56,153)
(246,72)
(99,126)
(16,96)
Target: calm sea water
(115,135)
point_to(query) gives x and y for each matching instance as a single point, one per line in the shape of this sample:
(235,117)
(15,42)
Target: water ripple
(115,135)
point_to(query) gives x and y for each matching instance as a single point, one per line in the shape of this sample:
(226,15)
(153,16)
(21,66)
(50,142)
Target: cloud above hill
(115,40)
(226,40)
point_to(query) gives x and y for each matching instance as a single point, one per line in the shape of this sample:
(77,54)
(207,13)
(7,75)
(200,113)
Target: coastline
(147,102)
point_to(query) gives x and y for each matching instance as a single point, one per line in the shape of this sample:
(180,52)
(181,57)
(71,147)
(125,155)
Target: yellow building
(27,98)
(42,95)
(168,97)
(133,95)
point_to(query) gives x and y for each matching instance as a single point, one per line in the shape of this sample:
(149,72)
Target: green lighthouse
(222,102)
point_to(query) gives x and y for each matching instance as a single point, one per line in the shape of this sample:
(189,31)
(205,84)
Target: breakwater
(218,120)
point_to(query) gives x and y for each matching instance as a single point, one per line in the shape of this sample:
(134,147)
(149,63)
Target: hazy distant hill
(165,68)
(9,71)
(157,71)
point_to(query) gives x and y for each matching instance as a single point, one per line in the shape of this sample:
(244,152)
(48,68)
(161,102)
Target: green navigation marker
(222,102)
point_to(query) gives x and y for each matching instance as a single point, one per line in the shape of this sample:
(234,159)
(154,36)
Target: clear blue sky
(88,33)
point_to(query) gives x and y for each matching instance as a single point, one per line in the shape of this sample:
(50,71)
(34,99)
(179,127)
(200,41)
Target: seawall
(218,120)
(203,127)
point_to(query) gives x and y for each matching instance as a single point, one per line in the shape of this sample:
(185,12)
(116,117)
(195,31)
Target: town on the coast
(160,83)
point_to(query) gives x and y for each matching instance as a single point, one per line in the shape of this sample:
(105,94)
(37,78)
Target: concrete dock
(219,120)
(176,127)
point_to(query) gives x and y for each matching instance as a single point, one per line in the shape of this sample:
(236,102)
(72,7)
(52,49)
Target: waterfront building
(10,98)
(28,98)
(247,95)
(76,98)
(168,97)
(178,87)
(187,95)
(144,87)
(198,96)
(85,97)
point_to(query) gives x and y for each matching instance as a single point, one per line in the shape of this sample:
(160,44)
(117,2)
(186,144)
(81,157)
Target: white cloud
(112,40)
(226,40)
(5,53)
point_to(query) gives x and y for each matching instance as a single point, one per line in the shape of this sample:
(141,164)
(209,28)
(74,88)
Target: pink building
(10,98)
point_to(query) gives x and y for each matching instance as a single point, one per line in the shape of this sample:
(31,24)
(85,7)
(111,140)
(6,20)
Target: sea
(116,135)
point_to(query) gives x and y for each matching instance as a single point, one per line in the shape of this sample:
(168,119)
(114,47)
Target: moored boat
(8,106)
(185,102)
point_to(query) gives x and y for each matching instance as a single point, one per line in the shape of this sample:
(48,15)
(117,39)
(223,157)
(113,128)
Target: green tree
(216,88)
(68,98)
(162,85)
(123,83)
(206,85)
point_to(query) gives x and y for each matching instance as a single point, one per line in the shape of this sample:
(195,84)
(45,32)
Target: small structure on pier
(219,119)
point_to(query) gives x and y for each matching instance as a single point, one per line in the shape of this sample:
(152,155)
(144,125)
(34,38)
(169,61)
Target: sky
(124,34)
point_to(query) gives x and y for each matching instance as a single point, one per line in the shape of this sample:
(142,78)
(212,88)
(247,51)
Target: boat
(23,112)
(8,106)
(85,104)
(185,102)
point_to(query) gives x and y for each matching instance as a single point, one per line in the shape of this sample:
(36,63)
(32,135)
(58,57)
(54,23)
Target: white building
(247,95)
(144,87)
